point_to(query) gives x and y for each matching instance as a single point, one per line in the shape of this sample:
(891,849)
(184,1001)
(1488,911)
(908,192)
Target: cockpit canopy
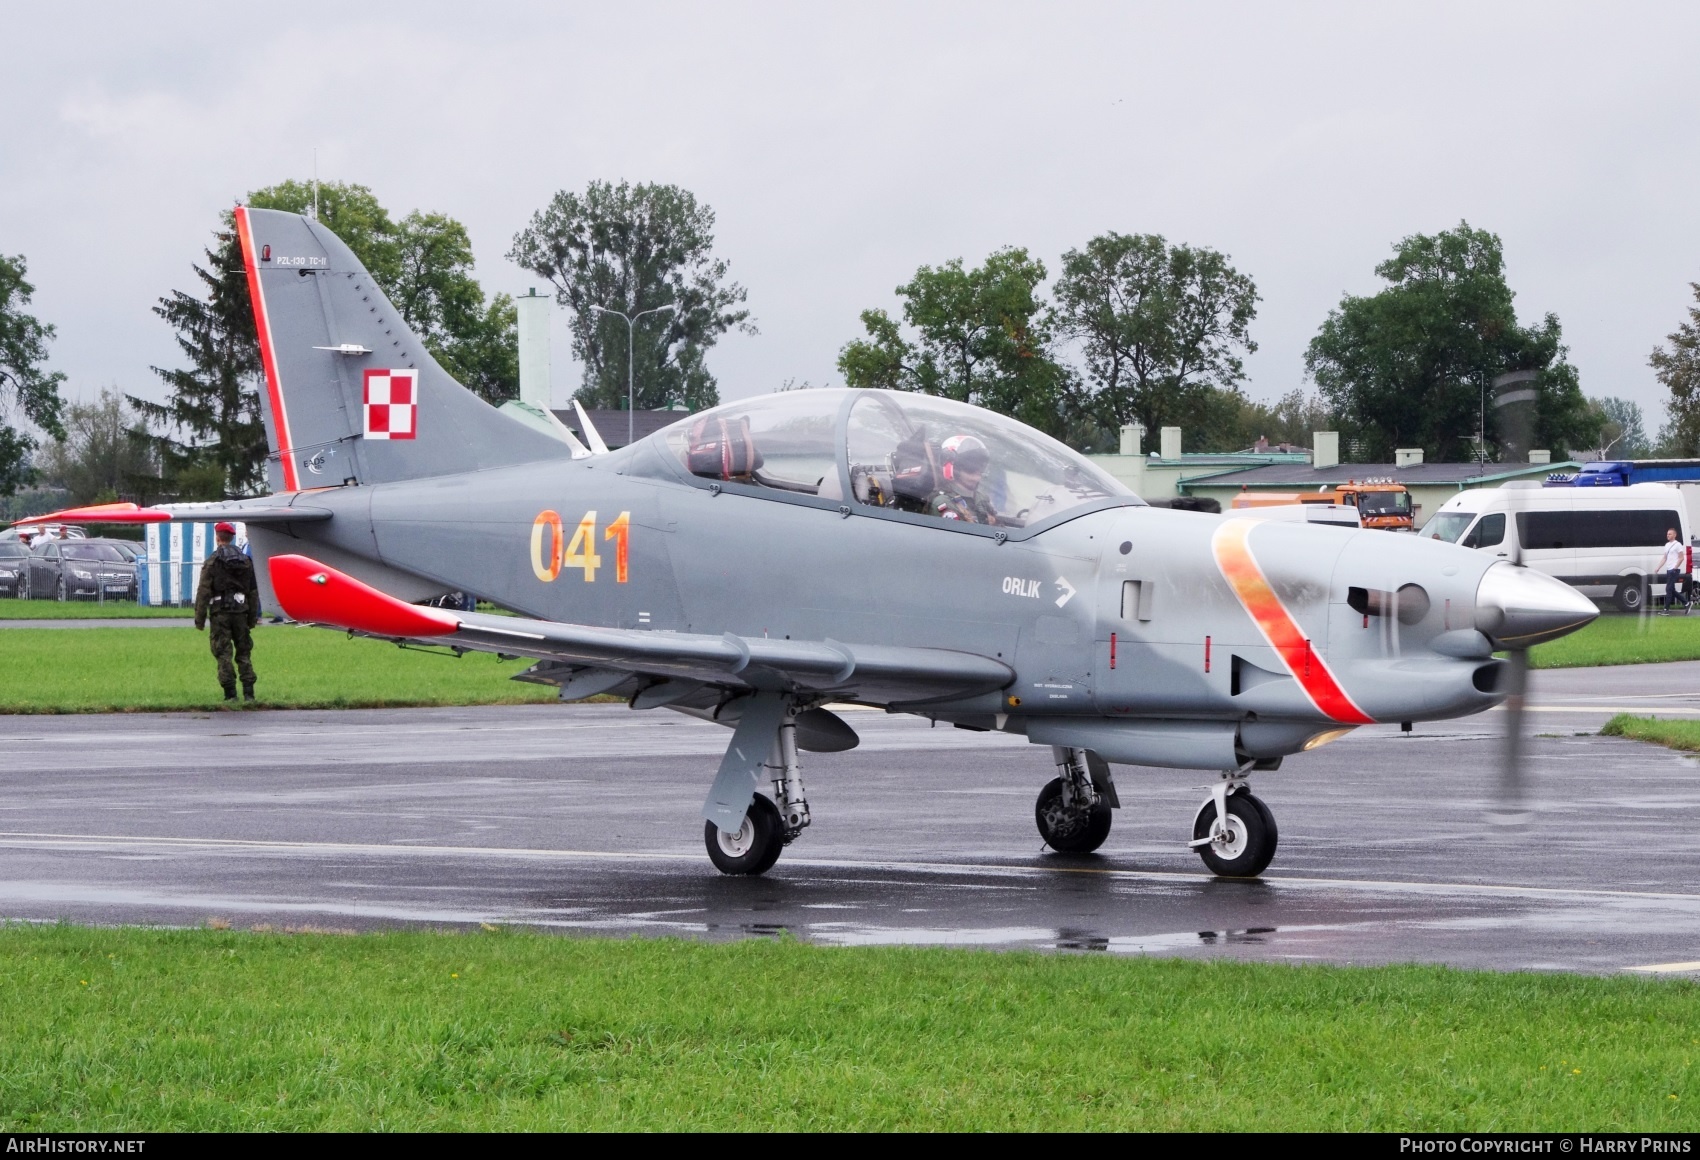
(893,450)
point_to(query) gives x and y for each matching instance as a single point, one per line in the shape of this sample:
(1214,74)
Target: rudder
(352,395)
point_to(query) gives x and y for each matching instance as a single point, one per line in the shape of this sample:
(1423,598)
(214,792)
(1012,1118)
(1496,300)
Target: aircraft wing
(315,593)
(266,511)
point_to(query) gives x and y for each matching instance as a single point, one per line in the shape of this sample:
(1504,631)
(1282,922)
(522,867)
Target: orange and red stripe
(268,357)
(1239,567)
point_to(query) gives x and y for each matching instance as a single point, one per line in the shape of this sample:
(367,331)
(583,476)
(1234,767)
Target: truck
(1380,503)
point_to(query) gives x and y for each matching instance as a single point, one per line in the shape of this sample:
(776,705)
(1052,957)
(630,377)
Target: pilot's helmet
(964,451)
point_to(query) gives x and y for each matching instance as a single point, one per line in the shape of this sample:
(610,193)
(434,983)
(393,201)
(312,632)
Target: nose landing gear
(1234,832)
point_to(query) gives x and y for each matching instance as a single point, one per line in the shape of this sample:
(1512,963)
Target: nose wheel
(1235,834)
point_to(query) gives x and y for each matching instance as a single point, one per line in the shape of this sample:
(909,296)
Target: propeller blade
(1512,807)
(1515,396)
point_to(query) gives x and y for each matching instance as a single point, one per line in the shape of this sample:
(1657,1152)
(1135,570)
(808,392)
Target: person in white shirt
(1672,566)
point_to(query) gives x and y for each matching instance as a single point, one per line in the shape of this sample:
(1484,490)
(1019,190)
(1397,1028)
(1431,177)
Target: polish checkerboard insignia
(392,404)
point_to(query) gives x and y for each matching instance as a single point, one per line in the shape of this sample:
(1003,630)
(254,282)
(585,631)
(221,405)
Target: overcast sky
(843,146)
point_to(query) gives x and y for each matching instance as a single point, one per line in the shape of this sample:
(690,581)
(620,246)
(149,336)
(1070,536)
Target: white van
(1607,541)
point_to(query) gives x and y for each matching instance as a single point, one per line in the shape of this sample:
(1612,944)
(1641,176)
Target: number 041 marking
(551,551)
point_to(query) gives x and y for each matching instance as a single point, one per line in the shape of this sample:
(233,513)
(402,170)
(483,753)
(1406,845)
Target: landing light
(1321,739)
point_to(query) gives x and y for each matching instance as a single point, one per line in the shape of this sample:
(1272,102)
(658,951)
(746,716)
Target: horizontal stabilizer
(318,594)
(129,513)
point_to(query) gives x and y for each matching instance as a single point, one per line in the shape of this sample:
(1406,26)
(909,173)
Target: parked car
(68,569)
(1606,541)
(134,551)
(14,558)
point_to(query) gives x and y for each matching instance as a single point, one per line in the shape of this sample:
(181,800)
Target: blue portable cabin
(173,566)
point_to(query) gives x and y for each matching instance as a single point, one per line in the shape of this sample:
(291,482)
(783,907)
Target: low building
(1158,475)
(1430,484)
(1172,472)
(612,424)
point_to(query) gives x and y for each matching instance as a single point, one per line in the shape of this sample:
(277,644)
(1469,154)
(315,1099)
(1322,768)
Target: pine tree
(214,440)
(24,384)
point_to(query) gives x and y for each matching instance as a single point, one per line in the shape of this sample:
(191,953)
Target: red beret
(225,527)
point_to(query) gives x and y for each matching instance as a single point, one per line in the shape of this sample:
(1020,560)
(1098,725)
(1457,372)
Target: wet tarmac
(585,819)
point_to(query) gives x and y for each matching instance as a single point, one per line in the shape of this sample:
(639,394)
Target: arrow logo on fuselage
(1067,591)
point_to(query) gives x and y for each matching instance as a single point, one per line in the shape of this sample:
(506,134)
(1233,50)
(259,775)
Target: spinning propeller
(1514,408)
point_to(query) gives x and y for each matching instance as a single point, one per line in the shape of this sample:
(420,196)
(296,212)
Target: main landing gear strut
(745,829)
(1073,810)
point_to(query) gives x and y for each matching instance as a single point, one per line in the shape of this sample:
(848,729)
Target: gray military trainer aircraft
(754,564)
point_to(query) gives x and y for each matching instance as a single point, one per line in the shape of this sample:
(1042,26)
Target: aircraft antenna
(591,435)
(315,183)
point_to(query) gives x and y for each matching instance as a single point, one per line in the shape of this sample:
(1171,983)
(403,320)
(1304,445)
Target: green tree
(1621,430)
(1293,419)
(208,436)
(351,212)
(1162,329)
(634,248)
(24,383)
(1678,368)
(100,459)
(1408,366)
(983,336)
(475,341)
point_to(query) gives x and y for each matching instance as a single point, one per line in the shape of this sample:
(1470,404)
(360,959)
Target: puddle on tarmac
(1046,938)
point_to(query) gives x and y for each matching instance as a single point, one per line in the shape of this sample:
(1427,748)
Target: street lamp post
(631,359)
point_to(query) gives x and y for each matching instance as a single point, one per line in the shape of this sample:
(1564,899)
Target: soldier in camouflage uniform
(965,460)
(228,598)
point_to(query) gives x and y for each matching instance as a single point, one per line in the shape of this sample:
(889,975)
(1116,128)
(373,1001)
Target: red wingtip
(103,513)
(313,592)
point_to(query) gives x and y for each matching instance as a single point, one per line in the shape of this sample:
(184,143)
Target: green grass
(1623,640)
(128,1030)
(81,610)
(1673,734)
(100,670)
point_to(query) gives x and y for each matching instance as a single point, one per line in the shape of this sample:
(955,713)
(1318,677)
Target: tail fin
(352,395)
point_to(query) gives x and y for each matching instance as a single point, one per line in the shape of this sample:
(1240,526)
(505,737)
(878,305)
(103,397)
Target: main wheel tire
(1070,831)
(1631,595)
(24,592)
(1253,832)
(754,848)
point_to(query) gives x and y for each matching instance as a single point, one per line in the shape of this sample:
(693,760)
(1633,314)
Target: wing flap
(316,593)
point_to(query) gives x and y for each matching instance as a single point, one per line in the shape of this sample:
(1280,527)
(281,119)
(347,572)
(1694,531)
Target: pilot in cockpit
(963,463)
